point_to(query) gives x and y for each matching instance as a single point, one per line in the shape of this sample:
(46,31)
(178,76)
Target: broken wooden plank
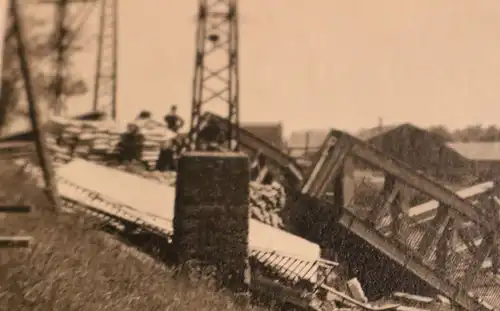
(15,209)
(15,241)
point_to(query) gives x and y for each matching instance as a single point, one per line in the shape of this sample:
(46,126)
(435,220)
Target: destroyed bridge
(448,242)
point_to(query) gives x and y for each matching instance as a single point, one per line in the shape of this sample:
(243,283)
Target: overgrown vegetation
(74,266)
(41,46)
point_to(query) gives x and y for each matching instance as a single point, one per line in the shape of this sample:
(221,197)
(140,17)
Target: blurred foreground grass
(74,266)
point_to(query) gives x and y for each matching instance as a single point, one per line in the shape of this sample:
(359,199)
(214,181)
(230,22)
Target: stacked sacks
(97,140)
(103,143)
(114,132)
(65,134)
(154,136)
(84,142)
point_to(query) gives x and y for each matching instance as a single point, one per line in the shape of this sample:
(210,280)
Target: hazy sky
(321,63)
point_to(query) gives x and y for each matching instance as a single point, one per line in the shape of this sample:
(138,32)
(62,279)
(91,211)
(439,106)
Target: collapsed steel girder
(249,143)
(452,249)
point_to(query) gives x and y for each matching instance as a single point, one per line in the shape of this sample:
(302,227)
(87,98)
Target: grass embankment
(74,266)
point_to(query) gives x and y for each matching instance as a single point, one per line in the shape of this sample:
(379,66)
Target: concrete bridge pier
(211,223)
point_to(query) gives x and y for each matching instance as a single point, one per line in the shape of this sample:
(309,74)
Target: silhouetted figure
(173,120)
(131,145)
(166,160)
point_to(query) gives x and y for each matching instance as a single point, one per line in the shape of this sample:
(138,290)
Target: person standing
(173,120)
(131,145)
(166,159)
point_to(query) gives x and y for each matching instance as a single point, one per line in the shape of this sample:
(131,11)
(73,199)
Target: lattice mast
(215,79)
(105,81)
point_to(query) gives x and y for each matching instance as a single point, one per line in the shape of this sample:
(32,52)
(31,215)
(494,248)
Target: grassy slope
(73,266)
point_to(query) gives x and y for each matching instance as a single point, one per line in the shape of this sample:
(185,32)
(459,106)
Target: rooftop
(269,132)
(313,139)
(478,151)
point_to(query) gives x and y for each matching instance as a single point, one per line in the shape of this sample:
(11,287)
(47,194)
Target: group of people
(130,146)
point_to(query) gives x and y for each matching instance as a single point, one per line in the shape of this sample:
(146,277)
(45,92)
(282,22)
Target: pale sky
(321,63)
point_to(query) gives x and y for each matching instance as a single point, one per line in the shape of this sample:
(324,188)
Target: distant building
(303,143)
(271,133)
(483,156)
(420,149)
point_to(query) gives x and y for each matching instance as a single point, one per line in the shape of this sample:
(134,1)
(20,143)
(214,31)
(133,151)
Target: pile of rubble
(353,298)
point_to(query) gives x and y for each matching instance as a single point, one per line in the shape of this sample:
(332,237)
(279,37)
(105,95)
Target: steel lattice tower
(216,66)
(105,83)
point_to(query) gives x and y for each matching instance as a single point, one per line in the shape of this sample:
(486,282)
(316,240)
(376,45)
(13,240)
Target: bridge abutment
(211,223)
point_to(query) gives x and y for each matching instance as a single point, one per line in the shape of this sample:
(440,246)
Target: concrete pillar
(211,220)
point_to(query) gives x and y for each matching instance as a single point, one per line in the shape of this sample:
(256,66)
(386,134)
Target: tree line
(469,133)
(41,50)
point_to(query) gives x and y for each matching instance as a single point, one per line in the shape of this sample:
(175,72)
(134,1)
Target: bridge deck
(150,204)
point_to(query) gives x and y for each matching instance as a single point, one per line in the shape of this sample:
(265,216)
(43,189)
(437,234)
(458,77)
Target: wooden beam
(15,209)
(38,130)
(15,241)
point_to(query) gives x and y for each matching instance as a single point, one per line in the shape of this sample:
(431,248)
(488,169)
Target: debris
(413,300)
(442,299)
(356,290)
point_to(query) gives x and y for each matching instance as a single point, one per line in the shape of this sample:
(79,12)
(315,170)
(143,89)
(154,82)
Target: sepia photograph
(261,155)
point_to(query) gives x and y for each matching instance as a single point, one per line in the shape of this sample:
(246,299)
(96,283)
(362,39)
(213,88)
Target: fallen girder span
(277,160)
(427,249)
